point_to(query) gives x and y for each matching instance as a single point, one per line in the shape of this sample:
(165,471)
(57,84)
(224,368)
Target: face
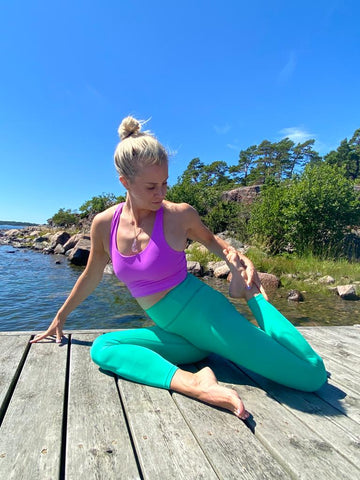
(148,188)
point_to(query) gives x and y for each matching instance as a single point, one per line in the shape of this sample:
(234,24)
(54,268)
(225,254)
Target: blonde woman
(145,238)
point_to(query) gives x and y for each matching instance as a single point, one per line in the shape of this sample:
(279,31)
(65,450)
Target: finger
(39,337)
(59,336)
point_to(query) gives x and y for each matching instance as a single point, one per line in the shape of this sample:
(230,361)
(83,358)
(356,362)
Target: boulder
(270,282)
(347,292)
(295,296)
(80,253)
(245,195)
(222,271)
(59,249)
(327,280)
(194,268)
(59,238)
(73,240)
(108,270)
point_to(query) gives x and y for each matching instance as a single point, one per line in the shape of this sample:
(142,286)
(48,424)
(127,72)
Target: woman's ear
(124,181)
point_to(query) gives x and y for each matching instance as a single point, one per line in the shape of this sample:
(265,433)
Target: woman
(145,238)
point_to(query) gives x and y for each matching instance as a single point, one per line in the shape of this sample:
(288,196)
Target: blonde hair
(137,149)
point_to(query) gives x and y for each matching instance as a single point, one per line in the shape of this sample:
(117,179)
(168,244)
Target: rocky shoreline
(76,248)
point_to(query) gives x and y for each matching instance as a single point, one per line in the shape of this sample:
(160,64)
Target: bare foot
(204,386)
(238,287)
(214,394)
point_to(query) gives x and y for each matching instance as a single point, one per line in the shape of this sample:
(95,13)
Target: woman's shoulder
(104,218)
(178,208)
(180,214)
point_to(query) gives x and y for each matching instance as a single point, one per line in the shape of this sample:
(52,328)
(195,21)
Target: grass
(301,273)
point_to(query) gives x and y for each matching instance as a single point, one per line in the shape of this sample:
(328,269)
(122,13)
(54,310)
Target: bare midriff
(150,300)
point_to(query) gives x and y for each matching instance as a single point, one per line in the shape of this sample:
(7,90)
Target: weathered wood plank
(230,446)
(297,447)
(336,351)
(347,337)
(98,445)
(341,432)
(342,399)
(166,448)
(30,443)
(13,349)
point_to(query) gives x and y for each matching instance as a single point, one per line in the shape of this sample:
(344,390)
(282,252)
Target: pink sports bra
(157,268)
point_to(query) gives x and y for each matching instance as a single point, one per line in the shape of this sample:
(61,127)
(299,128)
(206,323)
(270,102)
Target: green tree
(99,204)
(347,155)
(64,218)
(246,162)
(201,185)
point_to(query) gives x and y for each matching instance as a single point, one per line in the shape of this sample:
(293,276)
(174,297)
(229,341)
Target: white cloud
(288,69)
(296,134)
(233,147)
(222,129)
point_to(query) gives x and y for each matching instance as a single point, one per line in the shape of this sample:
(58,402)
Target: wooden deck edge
(104,330)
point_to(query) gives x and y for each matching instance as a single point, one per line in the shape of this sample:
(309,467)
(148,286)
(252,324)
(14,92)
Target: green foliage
(347,156)
(279,160)
(198,254)
(323,206)
(312,213)
(268,223)
(229,216)
(99,204)
(64,218)
(201,186)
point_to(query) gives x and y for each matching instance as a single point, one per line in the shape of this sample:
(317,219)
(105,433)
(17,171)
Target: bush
(312,214)
(64,218)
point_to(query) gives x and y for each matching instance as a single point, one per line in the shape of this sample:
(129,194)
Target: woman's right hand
(55,328)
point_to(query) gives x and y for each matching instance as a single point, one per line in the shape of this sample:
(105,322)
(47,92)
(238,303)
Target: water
(33,286)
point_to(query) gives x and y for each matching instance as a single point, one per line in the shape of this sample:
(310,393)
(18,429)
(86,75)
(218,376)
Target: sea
(33,286)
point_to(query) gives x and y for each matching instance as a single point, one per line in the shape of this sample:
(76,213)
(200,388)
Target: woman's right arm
(86,283)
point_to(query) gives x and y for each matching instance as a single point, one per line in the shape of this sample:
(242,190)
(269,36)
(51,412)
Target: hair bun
(129,126)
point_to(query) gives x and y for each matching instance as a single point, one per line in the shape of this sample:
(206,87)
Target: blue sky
(215,77)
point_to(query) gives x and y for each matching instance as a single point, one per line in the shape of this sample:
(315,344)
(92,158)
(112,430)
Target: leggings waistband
(166,310)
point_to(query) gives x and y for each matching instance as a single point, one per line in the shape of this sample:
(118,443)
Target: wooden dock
(62,418)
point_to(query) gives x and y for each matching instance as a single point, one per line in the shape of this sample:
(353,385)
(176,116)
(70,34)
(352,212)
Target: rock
(73,240)
(194,268)
(245,195)
(222,271)
(59,249)
(295,296)
(40,245)
(232,241)
(80,253)
(108,270)
(40,239)
(347,292)
(59,238)
(327,280)
(270,282)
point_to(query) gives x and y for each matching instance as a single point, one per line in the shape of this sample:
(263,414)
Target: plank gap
(14,382)
(65,413)
(117,380)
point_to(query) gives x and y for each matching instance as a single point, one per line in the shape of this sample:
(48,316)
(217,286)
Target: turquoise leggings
(192,321)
